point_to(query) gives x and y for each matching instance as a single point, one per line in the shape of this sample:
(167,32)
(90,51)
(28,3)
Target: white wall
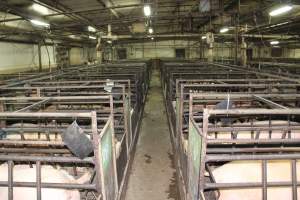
(166,49)
(162,49)
(89,53)
(224,51)
(76,56)
(265,52)
(291,53)
(48,57)
(23,57)
(81,55)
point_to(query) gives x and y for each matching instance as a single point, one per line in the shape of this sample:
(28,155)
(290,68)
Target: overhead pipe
(109,4)
(193,35)
(84,11)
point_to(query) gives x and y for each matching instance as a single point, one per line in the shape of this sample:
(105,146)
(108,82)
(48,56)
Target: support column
(236,46)
(40,56)
(99,51)
(2,122)
(237,29)
(111,54)
(210,42)
(243,52)
(201,49)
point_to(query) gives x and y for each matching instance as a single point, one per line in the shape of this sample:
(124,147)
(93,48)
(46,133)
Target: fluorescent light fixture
(72,36)
(41,9)
(280,10)
(224,30)
(91,29)
(147,10)
(109,41)
(39,23)
(203,37)
(75,37)
(280,24)
(274,42)
(92,37)
(150,30)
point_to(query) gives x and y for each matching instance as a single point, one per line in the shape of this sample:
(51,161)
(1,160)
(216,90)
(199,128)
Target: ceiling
(69,19)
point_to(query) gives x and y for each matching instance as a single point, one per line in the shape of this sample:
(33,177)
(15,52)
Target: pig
(43,136)
(251,172)
(277,134)
(246,134)
(24,173)
(31,136)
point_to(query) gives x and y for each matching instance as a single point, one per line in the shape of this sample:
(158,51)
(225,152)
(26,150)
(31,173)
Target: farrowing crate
(41,151)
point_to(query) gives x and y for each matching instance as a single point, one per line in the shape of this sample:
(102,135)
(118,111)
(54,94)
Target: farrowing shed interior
(134,100)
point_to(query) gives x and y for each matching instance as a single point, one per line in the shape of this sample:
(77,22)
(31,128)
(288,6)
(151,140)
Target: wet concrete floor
(153,174)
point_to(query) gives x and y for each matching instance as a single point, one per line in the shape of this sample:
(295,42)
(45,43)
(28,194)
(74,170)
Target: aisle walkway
(153,175)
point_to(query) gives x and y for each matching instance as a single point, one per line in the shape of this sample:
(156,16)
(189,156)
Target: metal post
(237,23)
(40,56)
(38,180)
(200,49)
(210,42)
(2,109)
(294,179)
(10,180)
(99,51)
(264,180)
(96,143)
(243,52)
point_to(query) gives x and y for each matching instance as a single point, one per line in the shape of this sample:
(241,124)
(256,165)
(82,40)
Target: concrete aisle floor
(153,175)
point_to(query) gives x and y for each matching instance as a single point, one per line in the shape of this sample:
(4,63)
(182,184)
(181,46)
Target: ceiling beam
(155,17)
(109,4)
(64,8)
(197,36)
(76,12)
